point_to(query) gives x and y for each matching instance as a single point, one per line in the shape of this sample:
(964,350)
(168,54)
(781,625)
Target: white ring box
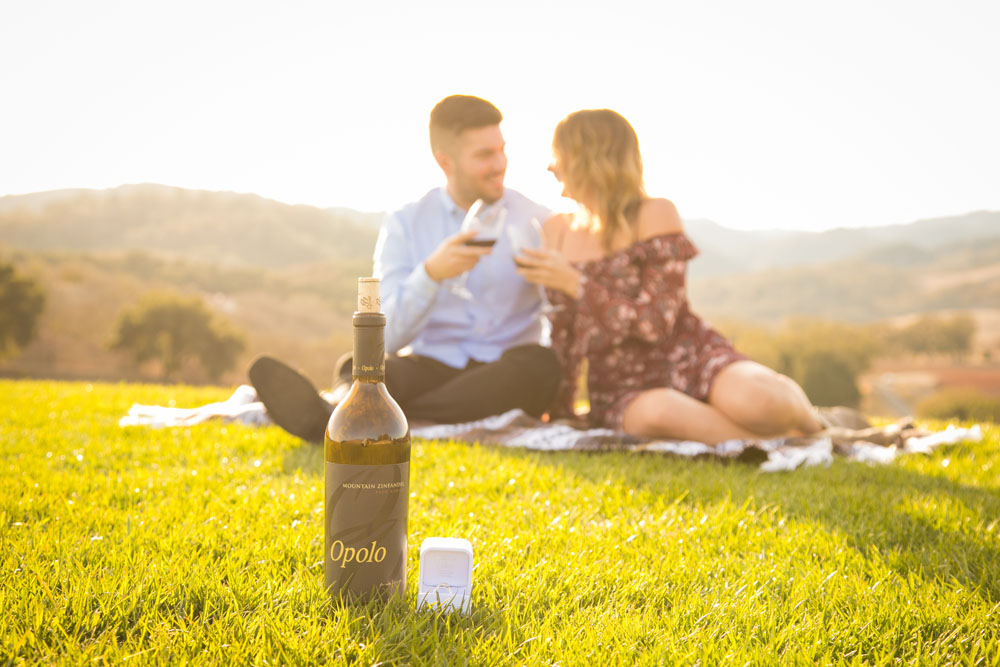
(445,580)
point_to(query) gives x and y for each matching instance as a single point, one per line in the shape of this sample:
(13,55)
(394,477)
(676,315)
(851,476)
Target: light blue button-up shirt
(427,316)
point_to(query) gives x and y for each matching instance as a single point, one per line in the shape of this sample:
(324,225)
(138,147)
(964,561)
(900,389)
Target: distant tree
(824,357)
(827,378)
(172,329)
(932,334)
(957,335)
(828,357)
(21,304)
(965,403)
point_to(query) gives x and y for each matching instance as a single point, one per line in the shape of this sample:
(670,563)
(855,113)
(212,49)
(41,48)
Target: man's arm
(408,293)
(410,284)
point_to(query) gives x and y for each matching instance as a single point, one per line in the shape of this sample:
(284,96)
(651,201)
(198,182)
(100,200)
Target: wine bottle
(367,472)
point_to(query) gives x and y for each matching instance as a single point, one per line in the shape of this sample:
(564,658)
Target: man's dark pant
(525,377)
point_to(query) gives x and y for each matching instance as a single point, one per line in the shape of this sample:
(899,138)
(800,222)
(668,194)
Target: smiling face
(475,165)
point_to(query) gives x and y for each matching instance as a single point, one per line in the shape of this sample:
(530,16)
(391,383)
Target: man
(451,359)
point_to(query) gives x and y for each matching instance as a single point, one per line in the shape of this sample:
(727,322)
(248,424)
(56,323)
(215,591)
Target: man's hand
(453,258)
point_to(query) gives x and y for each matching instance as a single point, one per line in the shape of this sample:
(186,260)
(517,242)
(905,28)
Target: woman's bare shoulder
(658,216)
(558,221)
(555,228)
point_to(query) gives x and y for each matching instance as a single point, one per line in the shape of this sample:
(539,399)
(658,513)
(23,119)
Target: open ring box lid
(445,581)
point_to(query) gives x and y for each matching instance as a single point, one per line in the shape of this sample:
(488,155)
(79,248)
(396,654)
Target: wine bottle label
(366,528)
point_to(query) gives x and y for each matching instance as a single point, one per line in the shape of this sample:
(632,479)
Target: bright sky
(774,113)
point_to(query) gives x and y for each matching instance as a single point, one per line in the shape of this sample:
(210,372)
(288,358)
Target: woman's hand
(550,269)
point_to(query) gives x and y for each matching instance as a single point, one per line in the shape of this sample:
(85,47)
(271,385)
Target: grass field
(203,545)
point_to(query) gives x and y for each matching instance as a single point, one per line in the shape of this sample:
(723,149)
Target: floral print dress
(633,326)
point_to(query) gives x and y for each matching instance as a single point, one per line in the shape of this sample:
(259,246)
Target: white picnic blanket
(516,429)
(242,407)
(519,430)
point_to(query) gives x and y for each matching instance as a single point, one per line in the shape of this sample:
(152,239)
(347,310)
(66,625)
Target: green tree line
(826,358)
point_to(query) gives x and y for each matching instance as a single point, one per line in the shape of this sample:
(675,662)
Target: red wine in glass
(480,243)
(488,221)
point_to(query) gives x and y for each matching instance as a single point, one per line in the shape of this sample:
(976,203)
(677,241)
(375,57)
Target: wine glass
(530,236)
(488,221)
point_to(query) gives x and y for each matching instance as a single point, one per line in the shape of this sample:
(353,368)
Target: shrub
(173,328)
(826,378)
(824,357)
(966,404)
(21,304)
(935,335)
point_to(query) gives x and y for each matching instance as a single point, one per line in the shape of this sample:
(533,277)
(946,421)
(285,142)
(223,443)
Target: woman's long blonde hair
(598,152)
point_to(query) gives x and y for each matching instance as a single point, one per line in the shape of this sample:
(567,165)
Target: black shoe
(291,400)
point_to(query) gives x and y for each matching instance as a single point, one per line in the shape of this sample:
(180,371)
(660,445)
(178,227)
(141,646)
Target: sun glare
(754,116)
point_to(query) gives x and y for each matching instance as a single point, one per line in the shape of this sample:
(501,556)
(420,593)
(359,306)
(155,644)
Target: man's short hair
(457,113)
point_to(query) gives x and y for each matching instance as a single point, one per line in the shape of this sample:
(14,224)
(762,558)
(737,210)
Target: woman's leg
(668,413)
(747,400)
(762,401)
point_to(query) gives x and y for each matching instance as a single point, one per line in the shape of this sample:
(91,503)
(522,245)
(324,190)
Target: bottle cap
(369,300)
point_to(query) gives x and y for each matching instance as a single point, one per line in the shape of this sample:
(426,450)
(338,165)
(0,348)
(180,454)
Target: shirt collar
(449,204)
(454,209)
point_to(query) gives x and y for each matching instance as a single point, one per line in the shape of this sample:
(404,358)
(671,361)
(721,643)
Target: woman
(615,272)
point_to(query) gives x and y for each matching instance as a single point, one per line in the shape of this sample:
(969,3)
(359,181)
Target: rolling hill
(285,274)
(217,227)
(728,251)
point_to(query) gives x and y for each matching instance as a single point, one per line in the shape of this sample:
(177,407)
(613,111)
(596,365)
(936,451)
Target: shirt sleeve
(408,293)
